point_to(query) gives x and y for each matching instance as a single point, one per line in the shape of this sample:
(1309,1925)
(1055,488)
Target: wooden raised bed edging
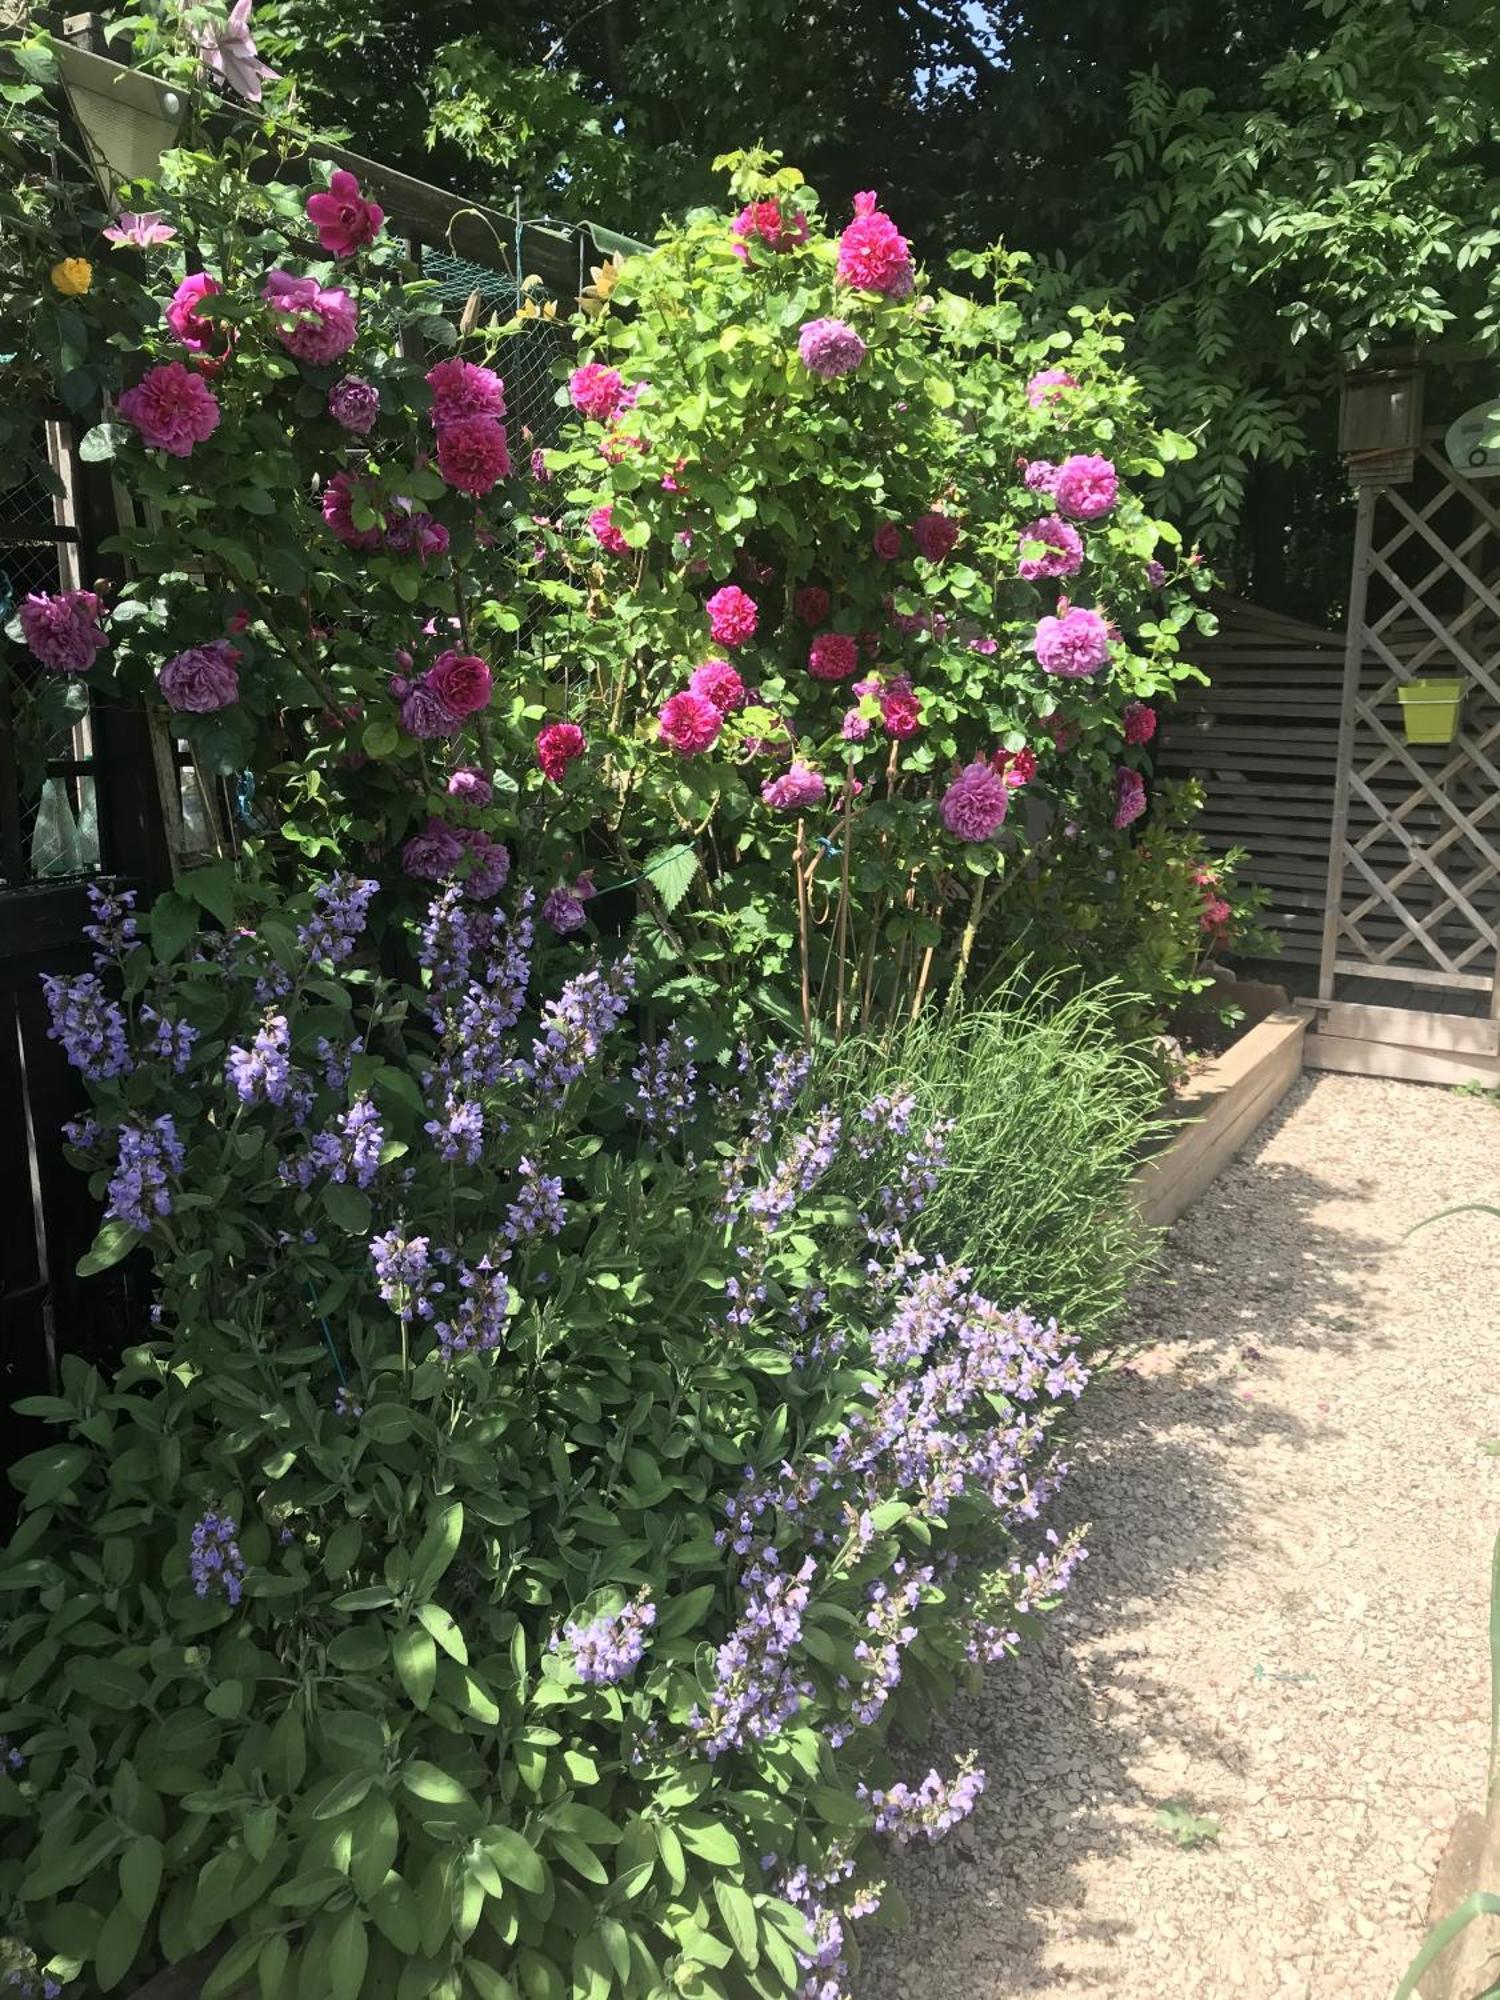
(1224,1103)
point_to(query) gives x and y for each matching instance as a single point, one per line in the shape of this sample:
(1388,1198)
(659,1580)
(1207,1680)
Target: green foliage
(1048,1100)
(1187,1828)
(444,1430)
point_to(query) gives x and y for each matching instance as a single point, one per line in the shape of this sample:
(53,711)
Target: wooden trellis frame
(1412,913)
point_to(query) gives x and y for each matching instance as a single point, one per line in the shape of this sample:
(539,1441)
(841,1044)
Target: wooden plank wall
(1262,738)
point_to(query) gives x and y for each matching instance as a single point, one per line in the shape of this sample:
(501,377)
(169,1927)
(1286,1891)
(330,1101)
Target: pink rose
(812,604)
(424,713)
(597,391)
(462,682)
(473,455)
(312,324)
(1055,549)
(201,679)
(1138,722)
(62,631)
(797,788)
(610,538)
(1130,797)
(559,744)
(935,535)
(1047,386)
(888,541)
(184,314)
(472,787)
(172,408)
(689,723)
(873,254)
(718,682)
(833,656)
(975,804)
(900,710)
(1086,486)
(344,220)
(1073,645)
(462,389)
(732,616)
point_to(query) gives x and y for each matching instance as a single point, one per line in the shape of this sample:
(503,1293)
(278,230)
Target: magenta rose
(338,511)
(473,455)
(888,541)
(812,604)
(597,391)
(424,713)
(719,683)
(610,538)
(689,723)
(344,220)
(470,786)
(172,408)
(1049,547)
(185,315)
(1086,486)
(833,656)
(795,789)
(732,615)
(935,535)
(312,324)
(462,682)
(62,631)
(462,389)
(1130,797)
(201,679)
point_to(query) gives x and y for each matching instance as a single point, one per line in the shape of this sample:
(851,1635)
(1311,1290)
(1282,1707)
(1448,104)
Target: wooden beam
(1409,1027)
(1354,1056)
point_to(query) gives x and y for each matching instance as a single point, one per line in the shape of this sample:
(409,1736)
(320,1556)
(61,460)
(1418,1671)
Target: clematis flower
(139,232)
(228,48)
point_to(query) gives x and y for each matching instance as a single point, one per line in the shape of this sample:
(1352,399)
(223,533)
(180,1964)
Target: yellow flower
(73,276)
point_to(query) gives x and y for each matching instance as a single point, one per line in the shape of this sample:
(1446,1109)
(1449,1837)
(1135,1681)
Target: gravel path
(1282,1619)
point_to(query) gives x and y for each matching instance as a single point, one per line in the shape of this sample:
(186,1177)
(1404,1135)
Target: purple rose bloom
(354,403)
(201,679)
(830,348)
(425,714)
(472,786)
(62,631)
(434,853)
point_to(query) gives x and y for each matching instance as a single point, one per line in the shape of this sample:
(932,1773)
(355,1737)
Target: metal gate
(1411,938)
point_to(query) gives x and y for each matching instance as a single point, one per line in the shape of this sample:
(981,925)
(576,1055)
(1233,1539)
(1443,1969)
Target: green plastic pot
(1429,710)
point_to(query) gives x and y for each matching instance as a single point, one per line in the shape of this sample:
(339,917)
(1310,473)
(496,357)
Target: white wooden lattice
(1414,865)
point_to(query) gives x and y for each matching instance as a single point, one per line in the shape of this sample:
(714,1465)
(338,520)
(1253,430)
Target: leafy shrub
(549,1484)
(1047,1097)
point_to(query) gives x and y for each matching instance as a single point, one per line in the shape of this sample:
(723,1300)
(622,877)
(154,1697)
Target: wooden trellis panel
(1413,895)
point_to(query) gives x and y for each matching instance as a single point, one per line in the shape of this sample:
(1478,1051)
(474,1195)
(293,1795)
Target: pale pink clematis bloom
(228,49)
(139,232)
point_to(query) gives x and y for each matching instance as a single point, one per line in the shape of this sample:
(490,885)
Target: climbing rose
(62,631)
(888,541)
(185,315)
(489,864)
(1047,386)
(471,786)
(344,220)
(855,727)
(312,324)
(1016,767)
(1062,548)
(1139,722)
(559,744)
(354,404)
(563,908)
(424,713)
(461,389)
(975,804)
(935,535)
(338,512)
(689,722)
(833,656)
(812,604)
(1086,486)
(900,710)
(1156,574)
(795,788)
(434,853)
(201,679)
(765,220)
(1040,476)
(1074,645)
(719,683)
(1063,732)
(1215,915)
(732,615)
(473,455)
(597,392)
(830,348)
(412,531)
(1130,796)
(873,254)
(172,408)
(606,534)
(462,682)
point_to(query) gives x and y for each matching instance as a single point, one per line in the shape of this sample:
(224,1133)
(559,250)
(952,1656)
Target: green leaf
(426,1781)
(344,1794)
(119,1941)
(115,1241)
(445,1630)
(376,1837)
(342,1549)
(487,1983)
(349,1207)
(140,1875)
(102,442)
(1483,1903)
(108,1682)
(347,1957)
(416,1663)
(437,1549)
(685,1613)
(670,871)
(515,1857)
(738,1912)
(230,1972)
(212,888)
(710,1840)
(47,1475)
(270,1974)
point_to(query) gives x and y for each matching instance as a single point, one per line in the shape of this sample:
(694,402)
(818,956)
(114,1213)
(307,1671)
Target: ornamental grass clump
(558,1469)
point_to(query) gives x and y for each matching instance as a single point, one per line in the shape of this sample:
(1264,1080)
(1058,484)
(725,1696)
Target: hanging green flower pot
(1429,710)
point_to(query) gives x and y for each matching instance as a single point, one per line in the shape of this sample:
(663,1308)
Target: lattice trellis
(1414,876)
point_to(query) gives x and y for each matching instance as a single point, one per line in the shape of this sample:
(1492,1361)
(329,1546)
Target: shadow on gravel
(1079,1750)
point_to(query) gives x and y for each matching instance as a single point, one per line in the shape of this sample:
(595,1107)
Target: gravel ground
(1282,1618)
